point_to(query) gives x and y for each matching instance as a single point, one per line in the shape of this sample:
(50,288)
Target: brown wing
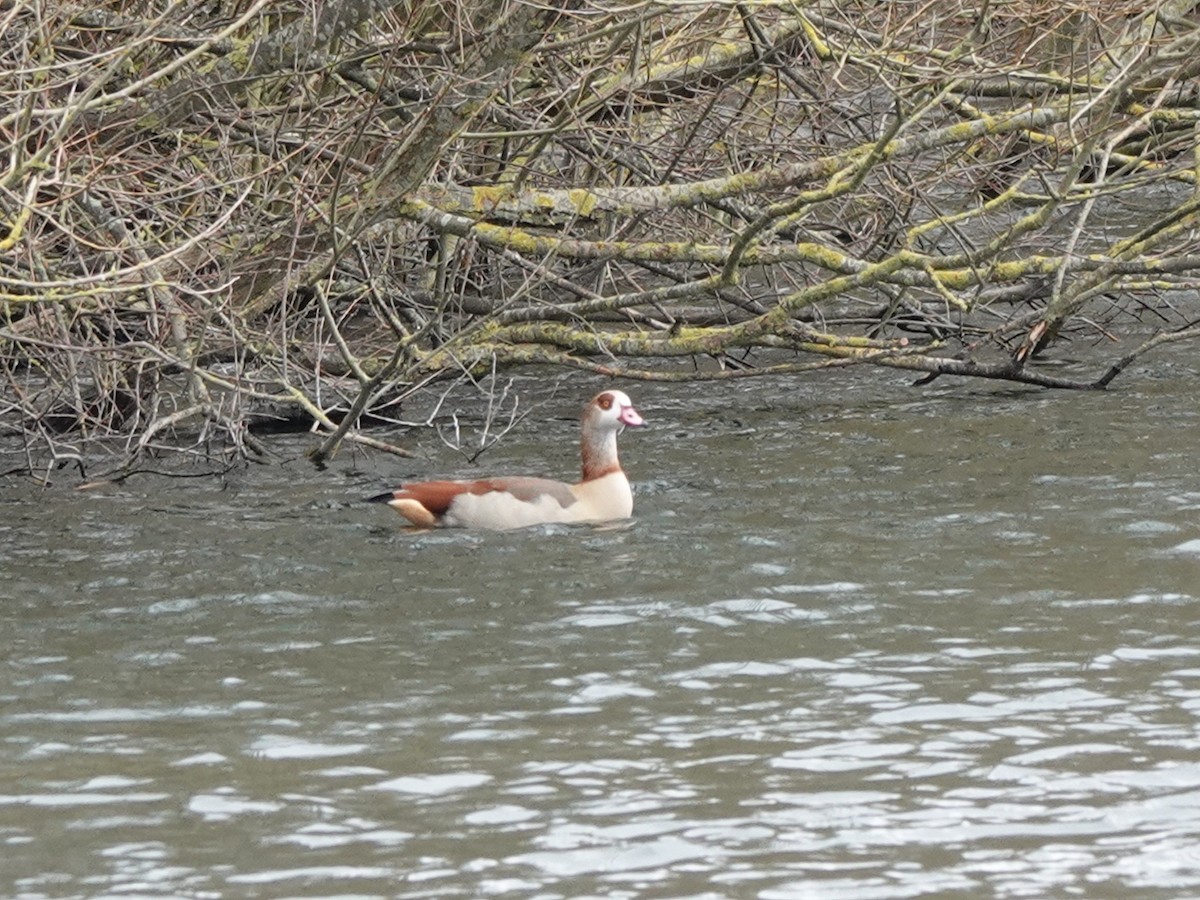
(529,490)
(436,496)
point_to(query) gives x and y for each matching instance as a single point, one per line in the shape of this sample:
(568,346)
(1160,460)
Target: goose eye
(605,402)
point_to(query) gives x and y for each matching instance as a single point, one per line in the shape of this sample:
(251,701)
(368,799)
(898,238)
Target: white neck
(599,451)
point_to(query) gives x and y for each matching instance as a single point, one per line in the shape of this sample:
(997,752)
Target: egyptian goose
(516,502)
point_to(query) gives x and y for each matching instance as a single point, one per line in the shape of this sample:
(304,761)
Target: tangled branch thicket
(217,218)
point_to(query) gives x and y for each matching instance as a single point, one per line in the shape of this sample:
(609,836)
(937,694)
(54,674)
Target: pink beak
(629,416)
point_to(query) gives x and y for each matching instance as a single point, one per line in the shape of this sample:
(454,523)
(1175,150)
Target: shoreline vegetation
(223,220)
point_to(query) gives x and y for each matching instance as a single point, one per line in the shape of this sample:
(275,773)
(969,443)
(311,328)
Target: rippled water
(860,641)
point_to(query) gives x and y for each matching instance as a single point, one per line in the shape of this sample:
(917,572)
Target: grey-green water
(861,641)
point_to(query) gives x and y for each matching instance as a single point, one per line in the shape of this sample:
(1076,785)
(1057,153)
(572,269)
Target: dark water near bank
(861,641)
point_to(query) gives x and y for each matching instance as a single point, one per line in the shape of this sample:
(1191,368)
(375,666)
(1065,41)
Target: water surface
(861,640)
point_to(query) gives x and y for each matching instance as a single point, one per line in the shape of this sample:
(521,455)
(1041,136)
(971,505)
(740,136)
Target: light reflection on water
(901,649)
